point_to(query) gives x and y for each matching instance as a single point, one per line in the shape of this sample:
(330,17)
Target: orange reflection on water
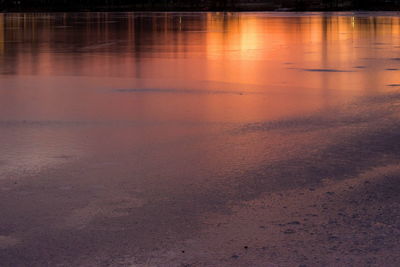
(226,67)
(69,82)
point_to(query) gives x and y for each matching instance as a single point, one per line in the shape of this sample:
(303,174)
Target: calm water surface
(124,116)
(158,75)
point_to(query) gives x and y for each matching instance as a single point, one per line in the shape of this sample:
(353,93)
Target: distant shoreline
(191,10)
(238,7)
(198,6)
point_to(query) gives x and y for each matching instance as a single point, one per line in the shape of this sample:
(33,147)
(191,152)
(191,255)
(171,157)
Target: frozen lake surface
(125,135)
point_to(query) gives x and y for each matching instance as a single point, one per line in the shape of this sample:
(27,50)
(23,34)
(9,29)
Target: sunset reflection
(199,139)
(261,60)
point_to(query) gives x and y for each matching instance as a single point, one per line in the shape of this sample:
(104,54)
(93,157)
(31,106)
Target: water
(134,125)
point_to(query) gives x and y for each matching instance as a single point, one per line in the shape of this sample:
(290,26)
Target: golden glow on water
(64,77)
(129,138)
(232,67)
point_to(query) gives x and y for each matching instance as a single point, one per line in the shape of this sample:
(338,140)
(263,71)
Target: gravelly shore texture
(328,198)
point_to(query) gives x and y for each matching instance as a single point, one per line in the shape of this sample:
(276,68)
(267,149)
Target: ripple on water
(326,70)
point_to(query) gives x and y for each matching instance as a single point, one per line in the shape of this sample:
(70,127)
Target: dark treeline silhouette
(195,5)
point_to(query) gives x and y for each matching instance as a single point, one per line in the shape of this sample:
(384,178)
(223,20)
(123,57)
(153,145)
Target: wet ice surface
(125,137)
